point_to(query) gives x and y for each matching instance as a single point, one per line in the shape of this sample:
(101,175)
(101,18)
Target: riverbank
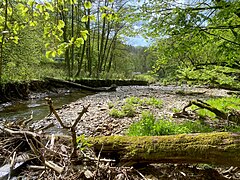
(98,121)
(39,88)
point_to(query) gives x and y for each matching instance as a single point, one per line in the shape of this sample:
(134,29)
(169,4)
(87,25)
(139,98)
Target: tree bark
(211,148)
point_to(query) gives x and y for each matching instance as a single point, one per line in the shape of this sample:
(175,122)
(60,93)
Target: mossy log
(211,148)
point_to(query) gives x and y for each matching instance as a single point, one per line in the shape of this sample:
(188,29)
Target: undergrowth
(150,126)
(128,109)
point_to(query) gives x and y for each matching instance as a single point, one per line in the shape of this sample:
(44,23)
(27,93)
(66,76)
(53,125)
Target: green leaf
(79,42)
(87,5)
(84,18)
(46,15)
(104,15)
(61,24)
(47,45)
(111,1)
(72,40)
(40,8)
(73,1)
(9,10)
(48,54)
(31,2)
(54,53)
(49,6)
(92,17)
(33,23)
(15,39)
(22,8)
(84,34)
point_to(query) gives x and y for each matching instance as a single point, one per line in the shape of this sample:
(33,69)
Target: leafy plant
(149,126)
(153,102)
(128,109)
(116,113)
(82,142)
(133,100)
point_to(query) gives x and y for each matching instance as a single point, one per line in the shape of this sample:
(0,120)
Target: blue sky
(137,41)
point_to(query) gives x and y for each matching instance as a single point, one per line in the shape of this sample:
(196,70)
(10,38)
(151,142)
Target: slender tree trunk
(98,39)
(101,46)
(88,50)
(72,48)
(3,38)
(112,55)
(65,39)
(1,58)
(104,59)
(92,50)
(81,60)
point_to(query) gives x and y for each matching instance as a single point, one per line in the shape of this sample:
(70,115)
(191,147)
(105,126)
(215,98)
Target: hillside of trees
(191,41)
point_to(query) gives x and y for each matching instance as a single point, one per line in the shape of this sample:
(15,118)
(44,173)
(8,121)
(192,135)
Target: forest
(193,41)
(167,106)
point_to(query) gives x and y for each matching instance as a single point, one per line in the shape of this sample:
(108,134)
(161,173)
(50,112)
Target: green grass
(150,126)
(128,109)
(152,101)
(224,104)
(116,113)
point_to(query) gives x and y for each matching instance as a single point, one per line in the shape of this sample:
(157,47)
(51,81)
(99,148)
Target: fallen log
(76,85)
(211,148)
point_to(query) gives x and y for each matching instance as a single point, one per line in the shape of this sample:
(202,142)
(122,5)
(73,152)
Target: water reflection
(23,109)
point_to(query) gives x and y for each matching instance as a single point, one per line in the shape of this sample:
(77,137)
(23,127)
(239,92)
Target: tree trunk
(3,38)
(211,148)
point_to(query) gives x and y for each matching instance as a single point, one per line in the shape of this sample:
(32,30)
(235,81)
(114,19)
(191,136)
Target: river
(18,110)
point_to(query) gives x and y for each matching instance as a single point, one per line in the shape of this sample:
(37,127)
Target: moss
(147,147)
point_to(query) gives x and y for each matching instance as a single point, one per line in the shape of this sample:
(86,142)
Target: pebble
(98,122)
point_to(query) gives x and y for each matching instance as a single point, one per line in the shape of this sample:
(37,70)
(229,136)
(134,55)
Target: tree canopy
(190,39)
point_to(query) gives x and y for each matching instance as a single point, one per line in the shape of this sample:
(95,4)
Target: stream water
(22,109)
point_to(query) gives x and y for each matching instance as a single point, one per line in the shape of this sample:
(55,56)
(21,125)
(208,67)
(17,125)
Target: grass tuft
(150,126)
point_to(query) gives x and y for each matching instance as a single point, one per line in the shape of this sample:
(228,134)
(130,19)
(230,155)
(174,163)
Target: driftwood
(232,114)
(76,85)
(210,148)
(72,128)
